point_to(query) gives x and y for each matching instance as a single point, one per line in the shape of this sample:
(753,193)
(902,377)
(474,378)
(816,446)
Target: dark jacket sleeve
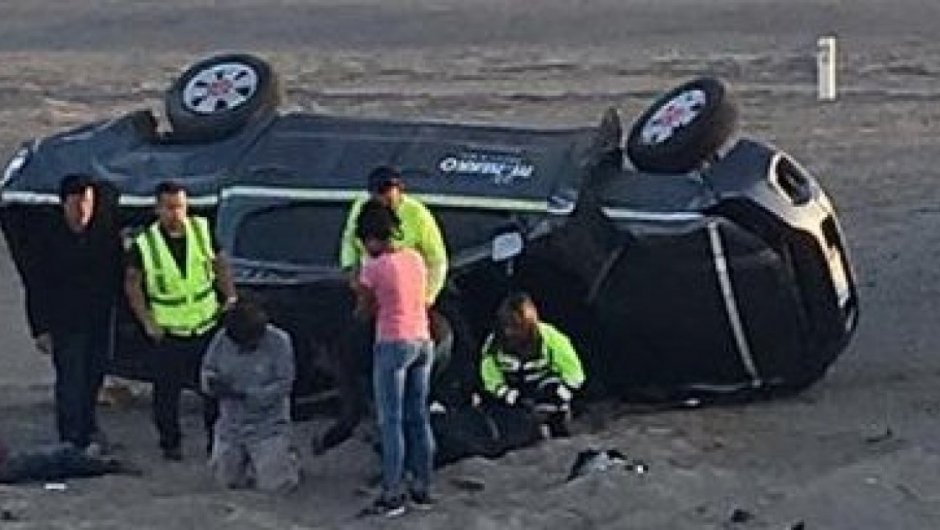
(108,229)
(37,283)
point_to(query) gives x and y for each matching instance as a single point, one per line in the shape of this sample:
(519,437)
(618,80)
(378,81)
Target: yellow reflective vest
(182,304)
(501,370)
(419,231)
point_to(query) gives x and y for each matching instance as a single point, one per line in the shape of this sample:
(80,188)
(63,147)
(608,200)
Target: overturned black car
(705,264)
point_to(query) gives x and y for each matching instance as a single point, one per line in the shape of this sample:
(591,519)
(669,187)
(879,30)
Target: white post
(826,68)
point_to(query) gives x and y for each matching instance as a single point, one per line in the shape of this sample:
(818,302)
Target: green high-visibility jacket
(501,370)
(183,305)
(419,231)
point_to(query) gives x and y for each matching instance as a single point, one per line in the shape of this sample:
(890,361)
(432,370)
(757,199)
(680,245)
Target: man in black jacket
(74,275)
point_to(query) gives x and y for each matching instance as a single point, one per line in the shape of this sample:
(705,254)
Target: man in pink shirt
(392,284)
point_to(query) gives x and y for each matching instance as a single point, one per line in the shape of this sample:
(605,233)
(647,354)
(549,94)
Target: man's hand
(222,389)
(229,303)
(43,343)
(364,310)
(154,332)
(366,304)
(564,393)
(511,397)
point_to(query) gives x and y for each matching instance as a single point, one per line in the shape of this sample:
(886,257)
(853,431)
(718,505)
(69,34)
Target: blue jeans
(401,379)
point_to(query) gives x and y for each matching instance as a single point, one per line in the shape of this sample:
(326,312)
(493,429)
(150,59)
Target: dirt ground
(858,450)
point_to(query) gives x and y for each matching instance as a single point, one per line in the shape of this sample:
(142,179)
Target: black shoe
(420,500)
(94,450)
(388,507)
(173,454)
(124,468)
(100,443)
(560,426)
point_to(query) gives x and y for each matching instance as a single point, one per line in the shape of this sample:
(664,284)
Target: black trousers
(175,365)
(79,359)
(540,400)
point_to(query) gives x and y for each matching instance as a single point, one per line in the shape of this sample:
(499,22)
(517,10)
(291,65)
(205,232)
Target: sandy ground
(859,450)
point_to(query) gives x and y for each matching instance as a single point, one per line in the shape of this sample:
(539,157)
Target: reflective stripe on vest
(518,372)
(183,304)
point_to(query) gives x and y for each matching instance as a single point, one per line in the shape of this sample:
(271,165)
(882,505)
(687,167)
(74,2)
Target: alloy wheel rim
(220,88)
(677,113)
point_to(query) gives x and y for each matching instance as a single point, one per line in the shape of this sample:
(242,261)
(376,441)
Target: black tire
(198,118)
(454,382)
(687,146)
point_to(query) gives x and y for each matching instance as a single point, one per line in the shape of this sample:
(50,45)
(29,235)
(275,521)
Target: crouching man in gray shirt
(249,367)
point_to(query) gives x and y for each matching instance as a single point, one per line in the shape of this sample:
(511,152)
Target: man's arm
(105,223)
(494,381)
(223,279)
(564,358)
(350,251)
(35,263)
(38,300)
(134,290)
(209,370)
(361,284)
(432,248)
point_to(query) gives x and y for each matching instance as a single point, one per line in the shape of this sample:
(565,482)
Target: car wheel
(216,97)
(684,128)
(455,345)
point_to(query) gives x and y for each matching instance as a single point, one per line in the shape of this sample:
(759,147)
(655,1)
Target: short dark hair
(382,178)
(245,323)
(168,187)
(74,184)
(514,304)
(376,220)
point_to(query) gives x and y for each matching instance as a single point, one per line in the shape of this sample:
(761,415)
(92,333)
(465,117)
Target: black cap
(382,178)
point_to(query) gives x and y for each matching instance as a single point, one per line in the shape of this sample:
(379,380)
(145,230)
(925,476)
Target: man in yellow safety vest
(173,282)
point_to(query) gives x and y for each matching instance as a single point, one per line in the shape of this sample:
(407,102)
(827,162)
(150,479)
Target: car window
(309,234)
(302,234)
(467,229)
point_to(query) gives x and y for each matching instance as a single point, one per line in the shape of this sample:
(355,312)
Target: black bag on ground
(477,431)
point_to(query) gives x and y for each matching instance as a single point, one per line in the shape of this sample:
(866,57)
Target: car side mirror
(507,245)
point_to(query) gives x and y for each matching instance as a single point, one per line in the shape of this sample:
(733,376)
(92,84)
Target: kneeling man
(249,367)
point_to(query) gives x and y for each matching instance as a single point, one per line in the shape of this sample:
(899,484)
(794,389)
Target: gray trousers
(268,464)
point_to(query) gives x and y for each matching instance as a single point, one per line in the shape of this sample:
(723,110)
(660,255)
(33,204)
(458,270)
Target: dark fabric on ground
(489,431)
(56,462)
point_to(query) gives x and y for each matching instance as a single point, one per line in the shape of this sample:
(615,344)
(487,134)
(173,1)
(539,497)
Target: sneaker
(124,468)
(544,431)
(94,450)
(420,500)
(173,454)
(388,507)
(560,425)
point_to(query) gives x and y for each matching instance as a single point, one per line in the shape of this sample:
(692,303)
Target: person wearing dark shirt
(249,368)
(173,280)
(74,276)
